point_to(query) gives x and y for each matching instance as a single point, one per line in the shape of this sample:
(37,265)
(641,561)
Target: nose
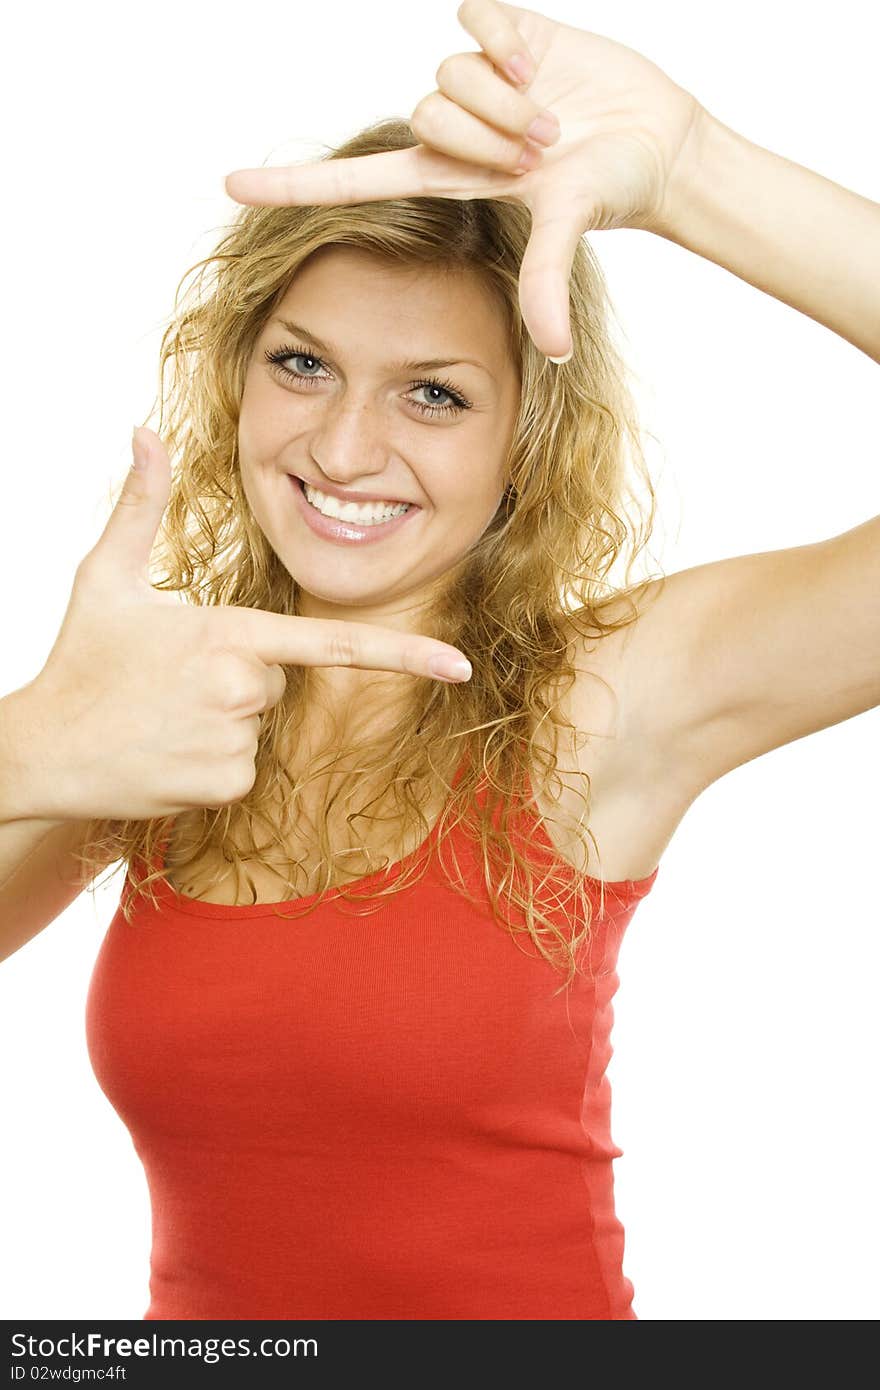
(349,443)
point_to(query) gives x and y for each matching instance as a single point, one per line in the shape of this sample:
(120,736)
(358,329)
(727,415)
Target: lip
(344,495)
(345,532)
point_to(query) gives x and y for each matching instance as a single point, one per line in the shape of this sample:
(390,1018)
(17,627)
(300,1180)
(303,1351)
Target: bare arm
(786,230)
(38,865)
(735,658)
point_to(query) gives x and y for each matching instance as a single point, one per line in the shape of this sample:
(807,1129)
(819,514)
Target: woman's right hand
(147,706)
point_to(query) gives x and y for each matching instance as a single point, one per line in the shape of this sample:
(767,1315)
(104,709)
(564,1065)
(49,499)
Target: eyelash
(458,401)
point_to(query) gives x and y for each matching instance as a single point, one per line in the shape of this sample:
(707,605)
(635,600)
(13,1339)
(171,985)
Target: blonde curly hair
(527,590)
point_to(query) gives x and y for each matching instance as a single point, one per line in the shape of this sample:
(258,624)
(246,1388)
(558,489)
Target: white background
(746,1055)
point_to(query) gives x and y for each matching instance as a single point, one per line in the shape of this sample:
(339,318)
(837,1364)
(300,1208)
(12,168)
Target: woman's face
(345,412)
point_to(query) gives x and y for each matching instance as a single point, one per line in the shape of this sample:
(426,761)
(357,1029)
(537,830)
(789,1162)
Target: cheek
(262,423)
(250,432)
(476,478)
(470,498)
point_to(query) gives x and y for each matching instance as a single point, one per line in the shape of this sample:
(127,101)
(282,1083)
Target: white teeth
(365,514)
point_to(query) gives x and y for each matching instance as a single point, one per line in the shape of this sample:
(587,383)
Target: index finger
(366,178)
(280,639)
(417,171)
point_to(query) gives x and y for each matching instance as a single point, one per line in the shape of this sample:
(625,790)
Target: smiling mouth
(374,517)
(353,501)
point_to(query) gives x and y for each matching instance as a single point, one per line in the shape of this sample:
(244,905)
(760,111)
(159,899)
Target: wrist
(24,775)
(704,166)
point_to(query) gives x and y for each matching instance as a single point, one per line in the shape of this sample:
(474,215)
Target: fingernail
(528,160)
(521,69)
(139,457)
(545,129)
(451,668)
(560,360)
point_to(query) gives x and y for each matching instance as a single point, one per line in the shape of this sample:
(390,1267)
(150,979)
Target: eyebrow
(408,366)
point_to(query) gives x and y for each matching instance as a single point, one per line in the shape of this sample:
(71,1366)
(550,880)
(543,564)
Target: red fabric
(386,1116)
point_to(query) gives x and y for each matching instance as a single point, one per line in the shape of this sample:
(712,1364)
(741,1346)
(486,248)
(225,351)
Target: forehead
(349,296)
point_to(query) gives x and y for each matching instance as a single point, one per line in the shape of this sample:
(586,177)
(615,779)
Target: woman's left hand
(626,128)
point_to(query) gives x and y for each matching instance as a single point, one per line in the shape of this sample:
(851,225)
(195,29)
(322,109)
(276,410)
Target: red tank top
(387,1116)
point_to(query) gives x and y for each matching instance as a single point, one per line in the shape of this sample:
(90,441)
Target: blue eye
(455,405)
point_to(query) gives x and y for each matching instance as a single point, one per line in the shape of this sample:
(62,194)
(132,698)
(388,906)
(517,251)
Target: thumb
(130,533)
(545,272)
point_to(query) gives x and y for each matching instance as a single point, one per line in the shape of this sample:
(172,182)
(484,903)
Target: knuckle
(346,175)
(416,121)
(231,692)
(235,687)
(274,687)
(241,778)
(255,693)
(425,117)
(241,769)
(242,740)
(342,648)
(88,571)
(444,71)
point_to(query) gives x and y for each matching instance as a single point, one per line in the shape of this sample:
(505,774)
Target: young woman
(355,1005)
